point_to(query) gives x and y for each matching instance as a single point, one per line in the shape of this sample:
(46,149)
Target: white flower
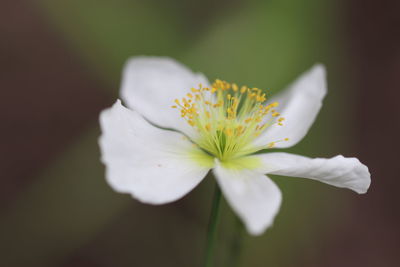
(178,127)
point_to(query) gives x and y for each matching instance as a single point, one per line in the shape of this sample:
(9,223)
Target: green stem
(236,244)
(212,227)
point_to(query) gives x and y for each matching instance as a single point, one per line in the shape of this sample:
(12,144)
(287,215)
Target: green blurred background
(61,65)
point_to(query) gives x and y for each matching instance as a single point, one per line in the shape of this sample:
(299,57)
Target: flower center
(228,118)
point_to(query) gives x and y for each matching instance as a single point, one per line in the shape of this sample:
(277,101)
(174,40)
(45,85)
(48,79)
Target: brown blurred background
(60,63)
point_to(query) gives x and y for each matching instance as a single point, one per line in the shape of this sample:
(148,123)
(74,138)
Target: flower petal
(299,105)
(156,166)
(337,171)
(151,84)
(253,196)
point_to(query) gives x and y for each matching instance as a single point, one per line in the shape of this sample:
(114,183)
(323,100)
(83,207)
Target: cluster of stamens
(228,117)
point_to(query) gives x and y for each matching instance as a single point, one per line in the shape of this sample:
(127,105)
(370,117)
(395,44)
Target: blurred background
(60,65)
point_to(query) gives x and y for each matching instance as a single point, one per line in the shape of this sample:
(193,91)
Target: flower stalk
(236,244)
(212,228)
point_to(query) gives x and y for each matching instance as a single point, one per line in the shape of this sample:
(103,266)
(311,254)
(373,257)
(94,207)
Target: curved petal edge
(151,84)
(299,104)
(254,197)
(155,166)
(337,171)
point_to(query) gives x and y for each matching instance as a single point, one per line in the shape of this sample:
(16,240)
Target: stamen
(227,118)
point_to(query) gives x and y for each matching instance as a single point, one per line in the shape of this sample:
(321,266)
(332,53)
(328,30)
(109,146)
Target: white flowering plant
(175,126)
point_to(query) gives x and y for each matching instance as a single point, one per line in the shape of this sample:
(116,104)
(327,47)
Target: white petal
(253,196)
(154,165)
(337,171)
(299,105)
(151,84)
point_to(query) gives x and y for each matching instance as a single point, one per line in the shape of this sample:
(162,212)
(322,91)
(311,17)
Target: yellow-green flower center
(228,118)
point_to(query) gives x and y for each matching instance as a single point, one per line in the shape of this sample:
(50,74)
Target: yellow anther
(286,139)
(189,95)
(275,114)
(243,89)
(271,145)
(274,104)
(248,120)
(239,130)
(228,132)
(235,103)
(235,88)
(174,106)
(208,127)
